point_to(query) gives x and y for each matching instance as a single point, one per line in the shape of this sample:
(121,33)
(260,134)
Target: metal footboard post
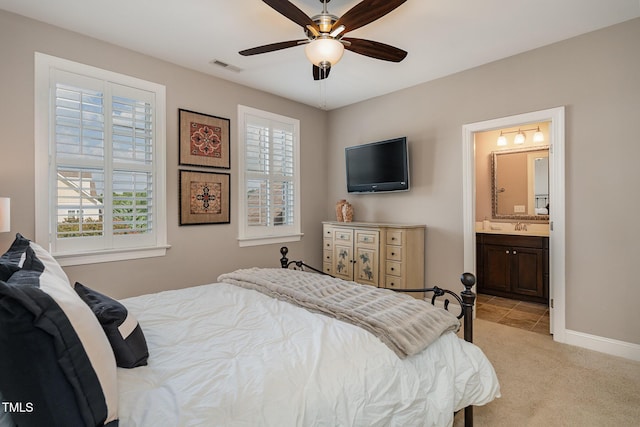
(298,265)
(468,301)
(284,261)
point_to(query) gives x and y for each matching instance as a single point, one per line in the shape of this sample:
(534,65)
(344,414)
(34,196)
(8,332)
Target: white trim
(267,240)
(557,283)
(41,133)
(45,66)
(254,235)
(110,256)
(603,345)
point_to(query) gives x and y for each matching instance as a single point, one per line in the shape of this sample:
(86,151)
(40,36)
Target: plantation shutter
(103,139)
(270,176)
(132,157)
(269,173)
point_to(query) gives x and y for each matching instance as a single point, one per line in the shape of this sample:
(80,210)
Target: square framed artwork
(204,198)
(204,140)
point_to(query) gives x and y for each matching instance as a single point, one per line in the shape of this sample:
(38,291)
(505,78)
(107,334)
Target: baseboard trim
(603,345)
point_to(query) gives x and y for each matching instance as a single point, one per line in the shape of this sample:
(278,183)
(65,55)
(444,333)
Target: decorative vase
(339,205)
(347,212)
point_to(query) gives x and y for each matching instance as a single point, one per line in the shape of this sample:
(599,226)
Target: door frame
(556,116)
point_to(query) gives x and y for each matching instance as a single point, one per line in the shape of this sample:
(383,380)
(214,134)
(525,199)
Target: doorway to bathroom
(554,119)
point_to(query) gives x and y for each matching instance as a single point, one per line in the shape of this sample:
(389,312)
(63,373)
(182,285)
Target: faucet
(519,226)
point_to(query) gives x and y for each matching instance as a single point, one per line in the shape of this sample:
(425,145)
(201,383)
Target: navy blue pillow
(7,270)
(29,364)
(121,327)
(16,251)
(53,352)
(10,260)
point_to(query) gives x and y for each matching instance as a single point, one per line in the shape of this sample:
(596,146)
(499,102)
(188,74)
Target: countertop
(509,228)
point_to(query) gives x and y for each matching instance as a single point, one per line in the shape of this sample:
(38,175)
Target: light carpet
(544,383)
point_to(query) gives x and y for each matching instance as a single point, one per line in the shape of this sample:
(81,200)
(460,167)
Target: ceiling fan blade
(366,12)
(375,50)
(320,73)
(289,10)
(271,47)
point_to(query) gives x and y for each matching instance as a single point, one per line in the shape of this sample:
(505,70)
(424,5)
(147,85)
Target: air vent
(225,65)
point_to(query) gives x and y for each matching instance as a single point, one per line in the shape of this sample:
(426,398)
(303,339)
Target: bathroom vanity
(513,265)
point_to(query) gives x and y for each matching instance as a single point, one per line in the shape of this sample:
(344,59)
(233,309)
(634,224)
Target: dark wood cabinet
(513,266)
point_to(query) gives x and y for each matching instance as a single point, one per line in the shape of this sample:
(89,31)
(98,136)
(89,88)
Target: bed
(224,354)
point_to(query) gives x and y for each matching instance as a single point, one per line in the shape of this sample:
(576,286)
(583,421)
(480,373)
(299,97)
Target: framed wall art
(204,140)
(204,198)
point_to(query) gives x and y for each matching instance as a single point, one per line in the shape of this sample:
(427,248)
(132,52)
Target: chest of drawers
(382,255)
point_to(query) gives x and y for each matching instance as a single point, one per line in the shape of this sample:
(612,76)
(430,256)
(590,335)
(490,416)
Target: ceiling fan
(325,42)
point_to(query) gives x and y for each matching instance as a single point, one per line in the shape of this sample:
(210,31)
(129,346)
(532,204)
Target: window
(269,158)
(100,144)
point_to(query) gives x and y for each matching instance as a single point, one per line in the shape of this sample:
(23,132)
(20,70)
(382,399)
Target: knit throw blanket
(406,325)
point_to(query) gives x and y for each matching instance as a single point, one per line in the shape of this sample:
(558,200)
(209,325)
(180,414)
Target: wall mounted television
(378,166)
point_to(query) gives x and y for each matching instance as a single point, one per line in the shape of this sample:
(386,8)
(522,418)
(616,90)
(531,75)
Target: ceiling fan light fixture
(324,52)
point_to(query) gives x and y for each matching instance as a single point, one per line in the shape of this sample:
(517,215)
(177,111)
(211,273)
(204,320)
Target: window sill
(111,256)
(267,240)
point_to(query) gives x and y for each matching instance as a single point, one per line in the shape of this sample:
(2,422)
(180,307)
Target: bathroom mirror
(520,184)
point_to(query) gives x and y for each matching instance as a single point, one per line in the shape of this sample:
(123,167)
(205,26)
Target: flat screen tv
(378,166)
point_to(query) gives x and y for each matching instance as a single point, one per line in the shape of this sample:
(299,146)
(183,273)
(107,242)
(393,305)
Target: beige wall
(597,77)
(198,254)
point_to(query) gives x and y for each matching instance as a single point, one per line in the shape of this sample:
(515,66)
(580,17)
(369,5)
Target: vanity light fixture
(520,137)
(502,140)
(538,136)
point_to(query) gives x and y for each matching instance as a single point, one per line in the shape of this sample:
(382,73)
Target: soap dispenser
(486,225)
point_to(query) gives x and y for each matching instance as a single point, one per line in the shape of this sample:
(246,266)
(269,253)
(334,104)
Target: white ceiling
(441,36)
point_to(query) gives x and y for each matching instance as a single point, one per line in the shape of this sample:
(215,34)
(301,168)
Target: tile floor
(519,314)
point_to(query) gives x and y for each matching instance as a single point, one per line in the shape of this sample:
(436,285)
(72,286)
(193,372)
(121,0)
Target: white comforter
(221,355)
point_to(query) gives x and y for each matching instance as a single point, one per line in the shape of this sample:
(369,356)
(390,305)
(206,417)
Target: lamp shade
(5,218)
(520,138)
(325,52)
(502,140)
(538,136)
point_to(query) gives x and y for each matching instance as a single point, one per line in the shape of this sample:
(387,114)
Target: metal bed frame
(466,300)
